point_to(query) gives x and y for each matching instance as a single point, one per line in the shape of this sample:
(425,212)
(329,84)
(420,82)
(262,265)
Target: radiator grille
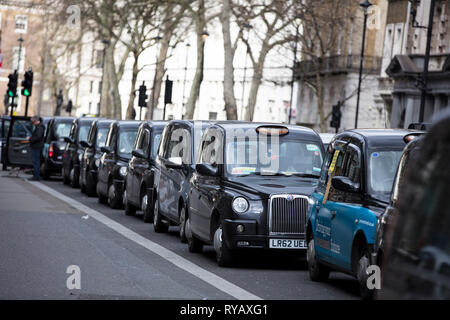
(288,216)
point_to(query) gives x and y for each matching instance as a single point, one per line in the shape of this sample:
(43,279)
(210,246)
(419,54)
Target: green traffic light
(26,93)
(10,93)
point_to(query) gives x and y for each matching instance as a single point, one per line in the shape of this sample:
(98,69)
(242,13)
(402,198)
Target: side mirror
(138,153)
(345,184)
(205,169)
(68,140)
(174,162)
(106,149)
(85,144)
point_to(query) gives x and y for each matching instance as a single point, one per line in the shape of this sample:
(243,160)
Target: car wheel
(147,210)
(101,198)
(224,255)
(90,186)
(361,274)
(158,225)
(82,185)
(194,244)
(130,210)
(73,178)
(183,238)
(112,198)
(4,167)
(317,271)
(44,172)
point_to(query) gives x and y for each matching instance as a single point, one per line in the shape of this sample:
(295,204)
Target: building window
(98,59)
(213,116)
(91,87)
(21,23)
(90,108)
(100,87)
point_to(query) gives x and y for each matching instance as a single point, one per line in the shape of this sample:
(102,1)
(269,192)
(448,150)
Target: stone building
(339,71)
(403,60)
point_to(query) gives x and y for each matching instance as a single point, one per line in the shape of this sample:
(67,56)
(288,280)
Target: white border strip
(177,260)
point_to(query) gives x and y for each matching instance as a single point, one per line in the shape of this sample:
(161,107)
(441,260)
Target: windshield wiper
(306,175)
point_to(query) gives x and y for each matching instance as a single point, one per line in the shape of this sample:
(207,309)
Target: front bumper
(54,166)
(249,237)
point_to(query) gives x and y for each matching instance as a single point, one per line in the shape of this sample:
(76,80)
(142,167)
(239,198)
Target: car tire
(73,178)
(183,238)
(4,167)
(101,198)
(194,245)
(361,274)
(112,199)
(317,271)
(44,172)
(147,210)
(224,255)
(82,185)
(90,186)
(130,210)
(158,225)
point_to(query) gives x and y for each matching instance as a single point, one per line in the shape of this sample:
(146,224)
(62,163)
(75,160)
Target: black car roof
(104,122)
(379,137)
(250,125)
(157,123)
(60,119)
(129,123)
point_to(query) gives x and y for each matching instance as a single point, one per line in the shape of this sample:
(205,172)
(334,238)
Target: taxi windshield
(126,142)
(280,156)
(382,168)
(102,134)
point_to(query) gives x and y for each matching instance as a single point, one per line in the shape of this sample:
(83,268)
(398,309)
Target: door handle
(333,214)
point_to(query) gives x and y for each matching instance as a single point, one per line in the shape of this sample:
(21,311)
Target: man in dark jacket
(36,144)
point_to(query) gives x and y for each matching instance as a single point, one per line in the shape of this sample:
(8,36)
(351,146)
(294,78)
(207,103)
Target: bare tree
(274,20)
(325,29)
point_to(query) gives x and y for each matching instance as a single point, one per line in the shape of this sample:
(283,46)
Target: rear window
(62,129)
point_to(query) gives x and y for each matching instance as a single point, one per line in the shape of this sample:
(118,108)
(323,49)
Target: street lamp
(247,26)
(105,44)
(365,6)
(423,80)
(204,35)
(297,21)
(152,102)
(184,81)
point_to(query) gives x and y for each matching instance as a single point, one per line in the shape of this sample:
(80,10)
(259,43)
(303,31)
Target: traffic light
(12,84)
(168,91)
(336,116)
(142,96)
(27,83)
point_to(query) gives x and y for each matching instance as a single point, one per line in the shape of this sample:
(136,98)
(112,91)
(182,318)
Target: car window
(4,128)
(102,133)
(211,147)
(146,142)
(285,157)
(155,144)
(179,145)
(382,168)
(62,130)
(22,129)
(126,141)
(352,167)
(83,132)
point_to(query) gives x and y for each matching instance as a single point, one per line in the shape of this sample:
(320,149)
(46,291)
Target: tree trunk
(228,81)
(200,23)
(130,109)
(256,82)
(110,106)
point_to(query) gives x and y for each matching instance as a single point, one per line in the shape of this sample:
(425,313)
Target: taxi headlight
(97,163)
(240,205)
(123,171)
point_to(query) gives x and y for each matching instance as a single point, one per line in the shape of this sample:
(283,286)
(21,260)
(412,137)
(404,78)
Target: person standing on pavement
(36,144)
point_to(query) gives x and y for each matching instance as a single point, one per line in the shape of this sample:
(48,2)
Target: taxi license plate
(287,244)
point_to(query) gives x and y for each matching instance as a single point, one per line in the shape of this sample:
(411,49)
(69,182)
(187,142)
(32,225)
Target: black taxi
(139,180)
(112,168)
(90,160)
(251,186)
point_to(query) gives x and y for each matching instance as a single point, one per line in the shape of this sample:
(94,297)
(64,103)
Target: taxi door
(18,151)
(326,205)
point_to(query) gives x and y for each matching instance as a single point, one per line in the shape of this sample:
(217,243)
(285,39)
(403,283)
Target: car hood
(264,187)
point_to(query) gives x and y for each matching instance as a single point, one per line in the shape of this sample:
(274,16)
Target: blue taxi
(353,191)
